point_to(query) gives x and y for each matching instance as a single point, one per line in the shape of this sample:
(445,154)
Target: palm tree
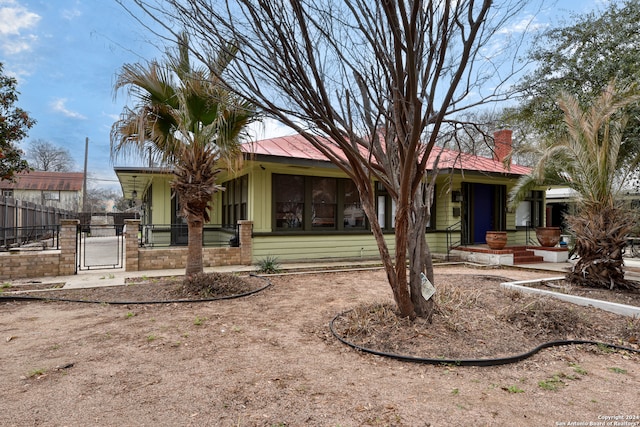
(586,159)
(186,119)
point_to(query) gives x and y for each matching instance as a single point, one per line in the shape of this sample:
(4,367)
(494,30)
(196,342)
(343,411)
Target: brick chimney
(502,144)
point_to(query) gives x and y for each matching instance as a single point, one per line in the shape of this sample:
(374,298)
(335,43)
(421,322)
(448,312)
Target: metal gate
(99,247)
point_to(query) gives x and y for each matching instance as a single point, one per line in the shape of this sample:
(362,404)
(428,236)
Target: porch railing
(166,235)
(35,236)
(457,227)
(528,233)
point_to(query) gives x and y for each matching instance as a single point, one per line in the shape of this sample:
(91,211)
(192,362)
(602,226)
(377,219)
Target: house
(303,207)
(61,190)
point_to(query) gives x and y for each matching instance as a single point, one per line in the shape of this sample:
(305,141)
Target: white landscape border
(622,309)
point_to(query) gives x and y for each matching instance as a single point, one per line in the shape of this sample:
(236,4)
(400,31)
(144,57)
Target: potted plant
(548,236)
(496,239)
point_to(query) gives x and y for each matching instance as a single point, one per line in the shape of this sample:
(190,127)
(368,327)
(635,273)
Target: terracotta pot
(548,236)
(496,239)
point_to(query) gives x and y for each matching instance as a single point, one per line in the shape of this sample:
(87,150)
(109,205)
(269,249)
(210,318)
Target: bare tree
(373,85)
(42,155)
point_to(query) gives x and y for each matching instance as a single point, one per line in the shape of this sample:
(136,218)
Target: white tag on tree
(426,287)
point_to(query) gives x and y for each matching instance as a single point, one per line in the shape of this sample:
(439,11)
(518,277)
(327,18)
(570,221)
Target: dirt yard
(270,359)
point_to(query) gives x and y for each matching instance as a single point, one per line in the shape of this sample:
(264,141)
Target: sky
(66,54)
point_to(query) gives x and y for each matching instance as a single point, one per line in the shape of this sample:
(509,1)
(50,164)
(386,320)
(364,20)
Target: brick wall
(28,264)
(170,258)
(25,263)
(140,259)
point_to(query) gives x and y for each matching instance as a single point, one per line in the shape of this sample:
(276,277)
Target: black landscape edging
(470,362)
(35,298)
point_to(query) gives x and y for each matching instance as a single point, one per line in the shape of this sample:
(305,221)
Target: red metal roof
(294,146)
(450,159)
(297,147)
(46,181)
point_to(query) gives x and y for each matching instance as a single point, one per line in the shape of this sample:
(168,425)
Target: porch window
(289,192)
(352,212)
(234,200)
(324,192)
(312,203)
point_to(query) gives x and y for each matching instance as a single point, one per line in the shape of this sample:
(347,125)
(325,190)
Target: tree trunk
(399,287)
(600,239)
(194,250)
(420,256)
(410,241)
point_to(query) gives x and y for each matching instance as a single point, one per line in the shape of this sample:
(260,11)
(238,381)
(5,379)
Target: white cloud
(70,14)
(268,128)
(526,24)
(14,20)
(58,105)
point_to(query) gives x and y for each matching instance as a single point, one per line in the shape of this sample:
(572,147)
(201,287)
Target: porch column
(68,238)
(131,244)
(245,232)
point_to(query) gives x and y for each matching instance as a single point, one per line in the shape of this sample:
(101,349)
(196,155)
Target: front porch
(510,255)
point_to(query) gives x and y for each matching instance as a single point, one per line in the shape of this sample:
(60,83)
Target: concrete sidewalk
(114,277)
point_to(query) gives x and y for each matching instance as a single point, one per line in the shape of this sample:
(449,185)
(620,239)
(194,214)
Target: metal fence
(165,235)
(25,223)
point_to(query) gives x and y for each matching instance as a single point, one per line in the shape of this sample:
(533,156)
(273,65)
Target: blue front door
(483,198)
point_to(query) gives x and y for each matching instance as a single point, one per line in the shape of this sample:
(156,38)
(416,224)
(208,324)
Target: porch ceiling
(137,179)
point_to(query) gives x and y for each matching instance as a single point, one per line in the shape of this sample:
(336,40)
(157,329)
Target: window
(323,213)
(352,212)
(234,200)
(386,209)
(308,203)
(289,196)
(7,193)
(51,195)
(531,211)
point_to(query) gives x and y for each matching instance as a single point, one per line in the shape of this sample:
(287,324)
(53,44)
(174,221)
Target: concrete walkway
(114,277)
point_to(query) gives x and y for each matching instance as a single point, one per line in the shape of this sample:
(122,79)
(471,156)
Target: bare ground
(269,359)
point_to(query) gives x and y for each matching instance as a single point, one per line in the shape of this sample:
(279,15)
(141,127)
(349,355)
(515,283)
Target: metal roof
(45,181)
(297,147)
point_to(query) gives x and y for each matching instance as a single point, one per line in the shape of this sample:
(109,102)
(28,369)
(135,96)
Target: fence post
(132,227)
(246,250)
(68,239)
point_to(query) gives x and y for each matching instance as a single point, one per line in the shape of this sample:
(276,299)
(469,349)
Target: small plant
(578,369)
(618,370)
(151,338)
(513,389)
(455,392)
(199,320)
(5,285)
(552,384)
(269,265)
(129,315)
(36,373)
(605,348)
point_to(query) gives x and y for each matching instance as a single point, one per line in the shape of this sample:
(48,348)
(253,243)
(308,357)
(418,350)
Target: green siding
(305,247)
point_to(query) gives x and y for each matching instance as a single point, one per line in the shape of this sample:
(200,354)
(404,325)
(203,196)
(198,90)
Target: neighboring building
(304,207)
(62,190)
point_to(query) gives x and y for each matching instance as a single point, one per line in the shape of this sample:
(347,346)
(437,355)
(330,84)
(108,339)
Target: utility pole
(84,184)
